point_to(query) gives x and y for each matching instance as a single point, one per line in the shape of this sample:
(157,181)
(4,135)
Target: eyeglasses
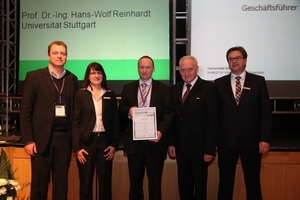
(235,58)
(95,72)
(188,70)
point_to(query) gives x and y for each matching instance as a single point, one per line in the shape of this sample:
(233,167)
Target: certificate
(144,123)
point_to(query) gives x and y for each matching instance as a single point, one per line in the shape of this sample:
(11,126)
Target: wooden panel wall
(280,177)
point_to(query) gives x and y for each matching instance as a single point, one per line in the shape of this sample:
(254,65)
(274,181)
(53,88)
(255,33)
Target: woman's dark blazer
(85,118)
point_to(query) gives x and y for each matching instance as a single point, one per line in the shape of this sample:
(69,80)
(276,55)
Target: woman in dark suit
(95,132)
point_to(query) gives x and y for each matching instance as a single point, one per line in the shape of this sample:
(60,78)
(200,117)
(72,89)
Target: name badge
(60,111)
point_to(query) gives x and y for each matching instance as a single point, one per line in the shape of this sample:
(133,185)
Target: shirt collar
(242,75)
(89,88)
(149,82)
(54,75)
(192,83)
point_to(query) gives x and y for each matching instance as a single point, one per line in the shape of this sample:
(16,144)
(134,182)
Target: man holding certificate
(147,108)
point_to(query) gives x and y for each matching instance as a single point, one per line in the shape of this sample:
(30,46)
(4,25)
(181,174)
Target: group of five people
(196,119)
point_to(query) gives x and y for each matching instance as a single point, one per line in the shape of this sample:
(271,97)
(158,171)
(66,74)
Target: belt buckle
(96,134)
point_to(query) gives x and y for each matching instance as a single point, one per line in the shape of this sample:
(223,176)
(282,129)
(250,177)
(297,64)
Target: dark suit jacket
(38,106)
(161,99)
(251,120)
(85,118)
(194,128)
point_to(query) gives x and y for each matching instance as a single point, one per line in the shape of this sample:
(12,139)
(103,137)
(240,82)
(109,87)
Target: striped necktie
(238,90)
(143,97)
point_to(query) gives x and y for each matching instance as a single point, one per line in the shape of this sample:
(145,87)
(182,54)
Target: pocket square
(106,97)
(197,97)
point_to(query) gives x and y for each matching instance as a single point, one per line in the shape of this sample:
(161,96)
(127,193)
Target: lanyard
(61,89)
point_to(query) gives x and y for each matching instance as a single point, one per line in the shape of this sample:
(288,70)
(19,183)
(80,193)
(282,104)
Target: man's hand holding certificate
(144,123)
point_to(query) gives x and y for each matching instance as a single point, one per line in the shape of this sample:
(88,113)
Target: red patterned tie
(238,90)
(186,92)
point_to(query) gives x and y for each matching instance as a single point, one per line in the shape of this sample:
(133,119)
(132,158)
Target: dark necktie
(186,92)
(238,90)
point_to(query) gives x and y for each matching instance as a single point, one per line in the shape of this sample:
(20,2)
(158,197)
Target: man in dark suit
(45,121)
(146,153)
(192,139)
(245,123)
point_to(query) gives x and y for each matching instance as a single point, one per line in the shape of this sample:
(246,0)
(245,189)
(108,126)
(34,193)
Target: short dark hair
(146,57)
(237,48)
(97,67)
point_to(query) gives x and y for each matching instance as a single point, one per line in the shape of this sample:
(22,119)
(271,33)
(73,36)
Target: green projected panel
(115,33)
(114,69)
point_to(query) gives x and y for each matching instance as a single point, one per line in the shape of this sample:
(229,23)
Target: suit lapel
(46,77)
(108,96)
(68,84)
(228,88)
(134,93)
(248,82)
(177,95)
(89,98)
(154,93)
(179,91)
(195,87)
